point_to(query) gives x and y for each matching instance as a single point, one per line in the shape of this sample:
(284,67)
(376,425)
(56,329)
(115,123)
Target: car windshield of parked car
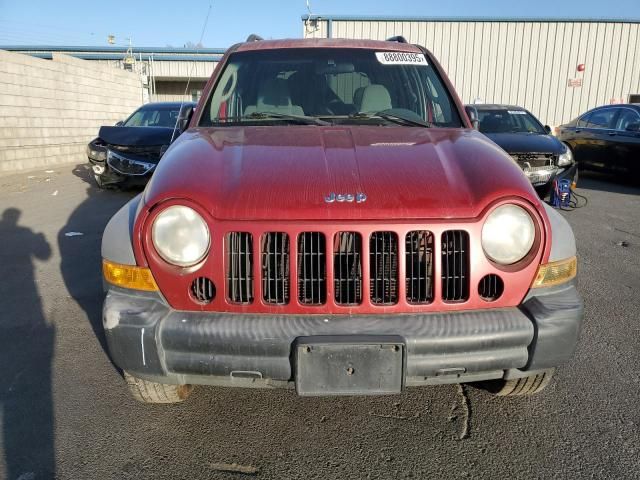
(153,117)
(508,121)
(348,86)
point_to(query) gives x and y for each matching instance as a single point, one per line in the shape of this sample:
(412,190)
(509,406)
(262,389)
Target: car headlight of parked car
(565,159)
(181,236)
(96,152)
(508,234)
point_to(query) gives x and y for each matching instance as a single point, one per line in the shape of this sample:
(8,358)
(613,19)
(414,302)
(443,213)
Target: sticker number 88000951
(401,58)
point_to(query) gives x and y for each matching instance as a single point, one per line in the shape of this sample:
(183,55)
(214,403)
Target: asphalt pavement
(66,413)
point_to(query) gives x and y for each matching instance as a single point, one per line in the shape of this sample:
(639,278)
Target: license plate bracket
(349,365)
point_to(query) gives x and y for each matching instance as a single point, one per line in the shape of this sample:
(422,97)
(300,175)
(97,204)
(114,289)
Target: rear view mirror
(473,117)
(120,123)
(547,129)
(332,68)
(633,127)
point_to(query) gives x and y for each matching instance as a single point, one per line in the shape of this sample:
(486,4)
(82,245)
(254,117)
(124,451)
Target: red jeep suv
(330,222)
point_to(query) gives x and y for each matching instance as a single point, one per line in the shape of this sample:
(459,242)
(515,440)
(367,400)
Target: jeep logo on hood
(345,197)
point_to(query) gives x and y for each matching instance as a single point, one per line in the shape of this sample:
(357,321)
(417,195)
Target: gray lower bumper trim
(153,341)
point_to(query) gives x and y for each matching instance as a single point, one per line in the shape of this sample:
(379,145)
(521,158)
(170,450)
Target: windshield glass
(154,117)
(508,121)
(338,85)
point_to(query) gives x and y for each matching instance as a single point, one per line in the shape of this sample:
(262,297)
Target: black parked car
(542,157)
(128,153)
(606,138)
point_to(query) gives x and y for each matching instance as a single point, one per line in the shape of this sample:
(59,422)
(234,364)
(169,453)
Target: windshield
(335,85)
(508,121)
(153,117)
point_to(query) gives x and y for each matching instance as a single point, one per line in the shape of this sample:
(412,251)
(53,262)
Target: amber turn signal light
(555,273)
(128,276)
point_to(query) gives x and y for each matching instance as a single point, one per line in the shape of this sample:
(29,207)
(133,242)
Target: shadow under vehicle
(542,157)
(127,154)
(606,139)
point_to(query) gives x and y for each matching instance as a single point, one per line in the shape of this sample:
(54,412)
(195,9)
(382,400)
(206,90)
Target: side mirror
(120,123)
(547,129)
(184,117)
(473,116)
(633,127)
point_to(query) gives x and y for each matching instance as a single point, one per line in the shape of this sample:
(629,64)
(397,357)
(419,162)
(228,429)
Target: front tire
(152,392)
(520,386)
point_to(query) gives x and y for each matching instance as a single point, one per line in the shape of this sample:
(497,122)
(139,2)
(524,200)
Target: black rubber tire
(151,392)
(523,386)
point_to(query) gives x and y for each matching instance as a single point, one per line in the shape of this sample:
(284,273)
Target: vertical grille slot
(275,268)
(455,265)
(240,267)
(312,270)
(347,268)
(419,266)
(383,268)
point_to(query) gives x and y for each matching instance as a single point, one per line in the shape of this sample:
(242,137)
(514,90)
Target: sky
(161,23)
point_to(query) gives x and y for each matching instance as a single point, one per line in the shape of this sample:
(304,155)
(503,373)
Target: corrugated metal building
(555,68)
(163,71)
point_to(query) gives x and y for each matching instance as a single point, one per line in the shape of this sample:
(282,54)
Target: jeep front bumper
(152,341)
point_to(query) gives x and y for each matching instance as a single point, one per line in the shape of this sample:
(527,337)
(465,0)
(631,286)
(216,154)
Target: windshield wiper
(393,117)
(285,116)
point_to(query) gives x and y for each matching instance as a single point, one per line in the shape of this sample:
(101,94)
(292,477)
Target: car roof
(495,106)
(635,106)
(326,43)
(165,105)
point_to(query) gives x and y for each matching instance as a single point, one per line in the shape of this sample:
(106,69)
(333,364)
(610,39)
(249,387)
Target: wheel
(520,386)
(152,392)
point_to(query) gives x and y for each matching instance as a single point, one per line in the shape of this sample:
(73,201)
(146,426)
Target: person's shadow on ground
(80,258)
(26,354)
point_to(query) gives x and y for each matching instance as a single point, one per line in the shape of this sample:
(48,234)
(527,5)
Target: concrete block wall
(51,109)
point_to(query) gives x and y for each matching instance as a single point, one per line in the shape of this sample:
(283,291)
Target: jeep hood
(285,172)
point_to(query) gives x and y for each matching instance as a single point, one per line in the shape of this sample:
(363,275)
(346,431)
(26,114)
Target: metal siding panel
(431,36)
(605,87)
(537,81)
(635,76)
(630,86)
(556,45)
(618,52)
(461,53)
(503,67)
(443,56)
(589,39)
(565,107)
(624,59)
(516,39)
(477,60)
(421,28)
(454,53)
(602,96)
(437,40)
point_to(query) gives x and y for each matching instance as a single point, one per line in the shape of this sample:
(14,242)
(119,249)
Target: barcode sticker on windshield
(401,58)
(517,112)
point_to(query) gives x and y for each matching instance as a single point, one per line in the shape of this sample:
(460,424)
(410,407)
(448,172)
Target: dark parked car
(606,138)
(542,157)
(128,153)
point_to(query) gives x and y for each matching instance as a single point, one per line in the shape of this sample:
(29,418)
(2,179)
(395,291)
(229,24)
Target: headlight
(565,159)
(181,236)
(508,234)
